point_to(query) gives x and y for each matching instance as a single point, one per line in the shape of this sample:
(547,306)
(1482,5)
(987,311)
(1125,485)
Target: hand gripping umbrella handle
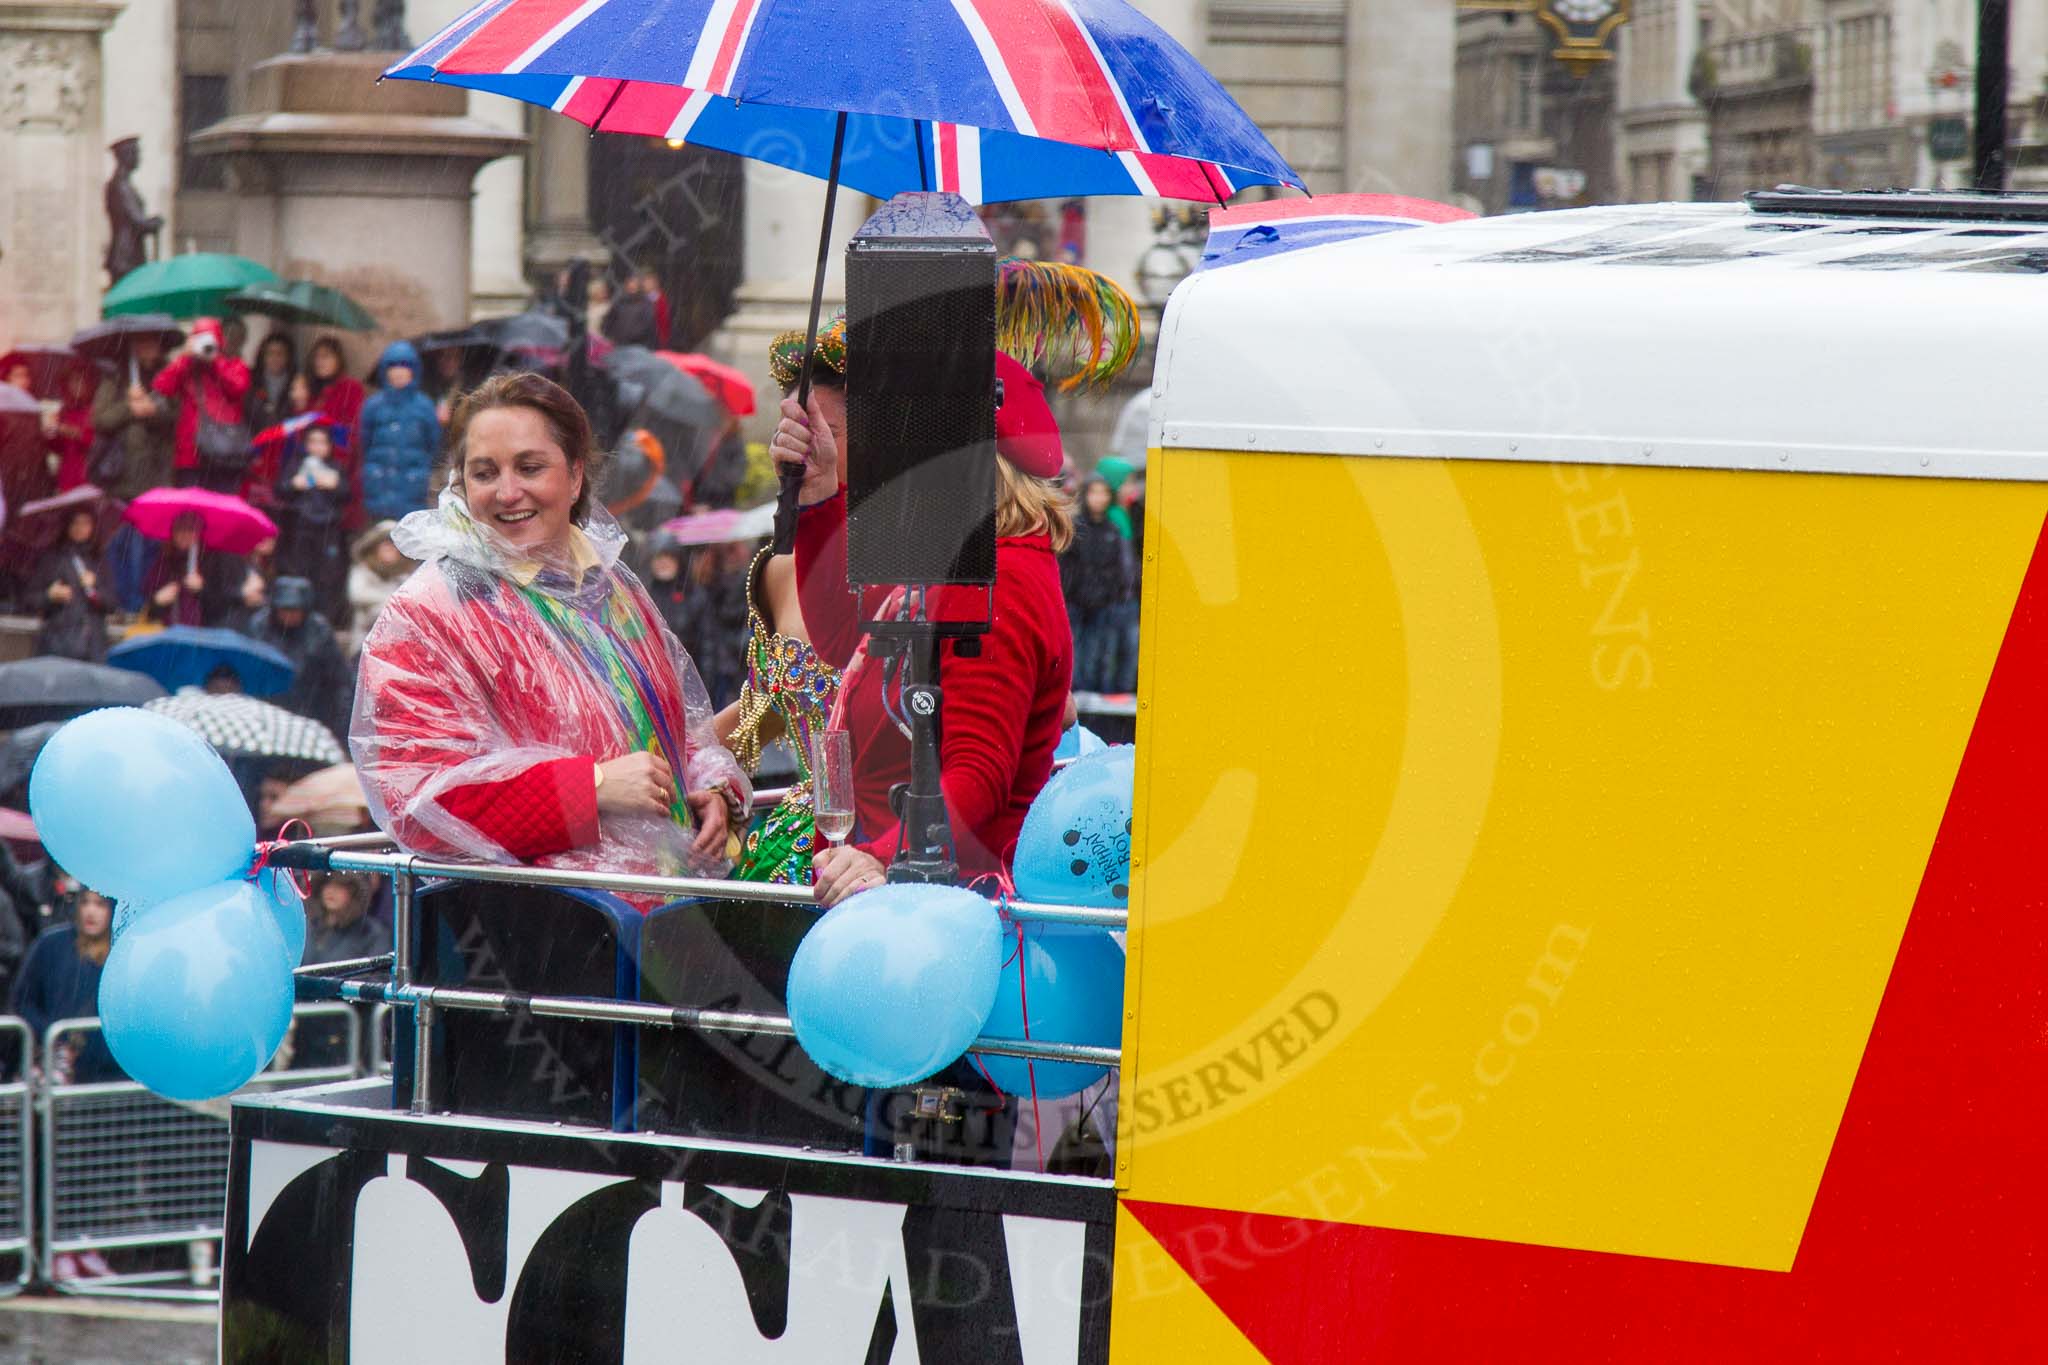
(792,479)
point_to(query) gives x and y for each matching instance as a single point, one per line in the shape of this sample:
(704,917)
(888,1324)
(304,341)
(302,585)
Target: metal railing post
(402,967)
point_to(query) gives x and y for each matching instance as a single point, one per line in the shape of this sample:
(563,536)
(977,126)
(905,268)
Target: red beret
(1026,434)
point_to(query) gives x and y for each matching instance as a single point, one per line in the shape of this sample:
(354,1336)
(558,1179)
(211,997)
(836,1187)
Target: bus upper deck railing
(378,854)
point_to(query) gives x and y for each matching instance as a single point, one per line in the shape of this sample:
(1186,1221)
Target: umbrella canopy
(723,526)
(535,335)
(189,286)
(675,407)
(292,426)
(18,402)
(243,727)
(228,523)
(18,752)
(109,340)
(47,366)
(331,793)
(85,495)
(49,688)
(303,301)
(728,385)
(1017,100)
(186,656)
(17,826)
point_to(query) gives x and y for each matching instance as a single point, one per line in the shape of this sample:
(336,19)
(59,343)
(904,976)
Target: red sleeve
(171,377)
(832,614)
(234,378)
(548,808)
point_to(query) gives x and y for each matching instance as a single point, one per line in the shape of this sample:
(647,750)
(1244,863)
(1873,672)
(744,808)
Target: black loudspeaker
(920,395)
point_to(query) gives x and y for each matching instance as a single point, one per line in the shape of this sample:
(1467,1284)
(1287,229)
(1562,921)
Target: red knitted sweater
(1002,711)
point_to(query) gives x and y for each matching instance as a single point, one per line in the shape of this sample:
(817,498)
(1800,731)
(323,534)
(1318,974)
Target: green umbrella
(303,301)
(190,286)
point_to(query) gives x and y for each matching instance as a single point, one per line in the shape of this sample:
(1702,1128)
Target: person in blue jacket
(399,438)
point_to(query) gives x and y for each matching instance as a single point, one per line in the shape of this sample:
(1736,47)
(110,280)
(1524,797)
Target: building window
(1523,93)
(203,102)
(1860,59)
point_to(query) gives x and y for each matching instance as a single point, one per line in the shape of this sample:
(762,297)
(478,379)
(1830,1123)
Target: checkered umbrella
(243,727)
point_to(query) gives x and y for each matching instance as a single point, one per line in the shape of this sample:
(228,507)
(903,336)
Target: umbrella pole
(792,479)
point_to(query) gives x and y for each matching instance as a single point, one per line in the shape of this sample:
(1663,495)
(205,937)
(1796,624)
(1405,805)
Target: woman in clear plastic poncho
(520,699)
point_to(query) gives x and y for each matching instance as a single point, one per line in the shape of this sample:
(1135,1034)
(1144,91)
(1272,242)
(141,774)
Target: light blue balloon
(1078,742)
(196,997)
(892,985)
(1072,990)
(138,807)
(1075,846)
(289,908)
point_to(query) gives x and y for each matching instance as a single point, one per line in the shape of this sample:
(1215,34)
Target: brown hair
(567,423)
(1025,505)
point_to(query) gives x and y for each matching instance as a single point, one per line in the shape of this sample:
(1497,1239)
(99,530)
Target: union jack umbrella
(292,426)
(990,99)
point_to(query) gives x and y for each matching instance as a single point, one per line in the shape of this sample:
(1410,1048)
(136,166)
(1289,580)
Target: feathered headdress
(1076,326)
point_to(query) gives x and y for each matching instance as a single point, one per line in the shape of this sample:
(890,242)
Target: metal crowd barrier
(124,1168)
(367,853)
(17,1169)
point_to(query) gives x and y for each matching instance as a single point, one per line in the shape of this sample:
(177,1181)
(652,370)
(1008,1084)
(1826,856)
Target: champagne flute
(832,784)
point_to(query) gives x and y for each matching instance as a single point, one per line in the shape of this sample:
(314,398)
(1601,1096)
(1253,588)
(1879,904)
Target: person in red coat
(205,378)
(1003,710)
(519,698)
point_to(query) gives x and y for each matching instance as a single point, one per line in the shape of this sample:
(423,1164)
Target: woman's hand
(60,592)
(194,583)
(638,784)
(804,441)
(167,595)
(840,872)
(709,808)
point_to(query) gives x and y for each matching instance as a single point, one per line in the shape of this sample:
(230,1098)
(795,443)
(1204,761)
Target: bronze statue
(128,218)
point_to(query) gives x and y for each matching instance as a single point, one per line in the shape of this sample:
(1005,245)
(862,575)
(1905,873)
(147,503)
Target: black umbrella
(675,406)
(18,752)
(479,353)
(40,689)
(536,335)
(109,341)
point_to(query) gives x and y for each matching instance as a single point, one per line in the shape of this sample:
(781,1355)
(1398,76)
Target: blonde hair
(1026,506)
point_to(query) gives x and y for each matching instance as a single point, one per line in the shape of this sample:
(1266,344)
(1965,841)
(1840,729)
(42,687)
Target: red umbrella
(18,402)
(730,386)
(17,826)
(227,523)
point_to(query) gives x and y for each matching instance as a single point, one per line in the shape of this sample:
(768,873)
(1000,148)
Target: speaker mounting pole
(792,479)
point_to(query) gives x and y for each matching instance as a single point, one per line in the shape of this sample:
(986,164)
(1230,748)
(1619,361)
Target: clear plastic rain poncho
(496,678)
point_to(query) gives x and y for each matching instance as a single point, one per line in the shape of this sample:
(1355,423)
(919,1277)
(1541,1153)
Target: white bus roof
(1673,334)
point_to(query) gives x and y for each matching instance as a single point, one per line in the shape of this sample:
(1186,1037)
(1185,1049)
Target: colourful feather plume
(1076,326)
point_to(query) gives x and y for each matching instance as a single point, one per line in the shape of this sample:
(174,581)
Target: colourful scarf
(605,635)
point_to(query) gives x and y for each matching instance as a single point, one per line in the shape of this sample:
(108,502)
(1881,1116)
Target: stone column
(1399,60)
(362,186)
(53,162)
(783,210)
(498,208)
(559,203)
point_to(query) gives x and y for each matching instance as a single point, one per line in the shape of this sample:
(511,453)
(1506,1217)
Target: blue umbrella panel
(186,656)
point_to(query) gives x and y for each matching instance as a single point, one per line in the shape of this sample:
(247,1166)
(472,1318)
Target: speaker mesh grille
(920,413)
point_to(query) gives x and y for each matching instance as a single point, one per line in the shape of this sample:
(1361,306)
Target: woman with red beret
(1003,707)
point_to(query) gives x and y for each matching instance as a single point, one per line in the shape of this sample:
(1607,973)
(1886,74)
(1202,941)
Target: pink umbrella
(730,386)
(16,825)
(85,495)
(723,526)
(228,523)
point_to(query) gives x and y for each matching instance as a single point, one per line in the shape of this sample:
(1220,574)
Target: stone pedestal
(360,185)
(783,210)
(53,163)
